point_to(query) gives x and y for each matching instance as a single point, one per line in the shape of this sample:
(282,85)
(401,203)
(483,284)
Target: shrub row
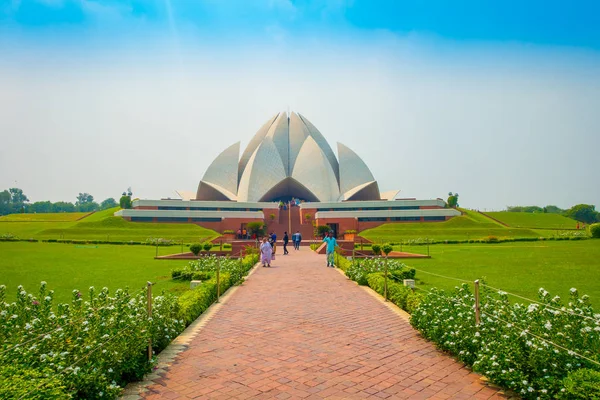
(84,349)
(402,296)
(360,269)
(194,302)
(513,344)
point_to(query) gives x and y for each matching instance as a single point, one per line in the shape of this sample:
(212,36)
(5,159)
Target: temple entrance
(334,228)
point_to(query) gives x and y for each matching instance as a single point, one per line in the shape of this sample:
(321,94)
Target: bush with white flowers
(88,348)
(530,349)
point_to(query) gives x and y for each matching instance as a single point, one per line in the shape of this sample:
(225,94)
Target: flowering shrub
(511,346)
(402,296)
(361,268)
(205,267)
(87,348)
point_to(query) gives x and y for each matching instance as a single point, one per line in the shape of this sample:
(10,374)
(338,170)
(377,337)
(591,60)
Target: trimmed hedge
(194,302)
(402,296)
(582,384)
(595,230)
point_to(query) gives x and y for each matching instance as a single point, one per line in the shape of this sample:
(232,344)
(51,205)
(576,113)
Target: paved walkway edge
(406,316)
(165,358)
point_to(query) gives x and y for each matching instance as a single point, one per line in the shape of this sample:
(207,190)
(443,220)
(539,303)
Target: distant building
(288,159)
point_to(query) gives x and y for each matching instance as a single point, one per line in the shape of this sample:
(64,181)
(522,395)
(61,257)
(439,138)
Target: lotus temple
(288,161)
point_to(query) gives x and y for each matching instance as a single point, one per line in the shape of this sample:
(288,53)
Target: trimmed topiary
(195,248)
(595,230)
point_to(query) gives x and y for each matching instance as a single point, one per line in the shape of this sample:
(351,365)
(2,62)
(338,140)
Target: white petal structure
(221,176)
(288,157)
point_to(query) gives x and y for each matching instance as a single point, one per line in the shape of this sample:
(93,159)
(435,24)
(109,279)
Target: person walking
(286,239)
(266,253)
(297,238)
(331,245)
(273,241)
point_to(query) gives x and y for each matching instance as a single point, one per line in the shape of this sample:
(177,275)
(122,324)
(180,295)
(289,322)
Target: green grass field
(67,267)
(520,268)
(43,217)
(471,225)
(533,220)
(103,225)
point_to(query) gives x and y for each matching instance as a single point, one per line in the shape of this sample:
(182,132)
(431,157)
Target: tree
(583,213)
(255,228)
(40,207)
(452,200)
(125,200)
(554,210)
(63,206)
(5,202)
(17,197)
(108,203)
(84,198)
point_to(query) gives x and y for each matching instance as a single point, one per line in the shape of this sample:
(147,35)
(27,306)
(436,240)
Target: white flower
(548,325)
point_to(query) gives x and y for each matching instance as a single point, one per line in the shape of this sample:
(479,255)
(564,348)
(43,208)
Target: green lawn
(103,225)
(468,226)
(533,220)
(66,267)
(43,217)
(519,267)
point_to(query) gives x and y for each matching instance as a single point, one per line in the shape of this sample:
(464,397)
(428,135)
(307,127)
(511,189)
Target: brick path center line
(300,330)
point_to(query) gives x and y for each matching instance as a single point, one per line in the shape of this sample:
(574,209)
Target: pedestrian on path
(273,241)
(297,237)
(286,239)
(266,252)
(331,245)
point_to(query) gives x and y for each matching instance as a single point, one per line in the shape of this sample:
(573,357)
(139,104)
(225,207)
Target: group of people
(268,246)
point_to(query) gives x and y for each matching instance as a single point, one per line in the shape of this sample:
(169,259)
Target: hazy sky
(498,103)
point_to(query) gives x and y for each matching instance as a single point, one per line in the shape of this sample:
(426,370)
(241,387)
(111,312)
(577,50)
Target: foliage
(581,384)
(125,201)
(595,230)
(452,200)
(88,347)
(20,382)
(583,213)
(525,209)
(256,228)
(322,230)
(376,249)
(387,248)
(402,296)
(194,302)
(403,273)
(512,345)
(228,232)
(195,248)
(108,203)
(307,217)
(361,268)
(350,231)
(206,246)
(85,203)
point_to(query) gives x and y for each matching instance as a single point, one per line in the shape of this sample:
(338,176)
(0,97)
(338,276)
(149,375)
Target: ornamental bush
(87,348)
(595,230)
(194,302)
(514,345)
(361,268)
(376,249)
(196,248)
(207,246)
(581,384)
(402,296)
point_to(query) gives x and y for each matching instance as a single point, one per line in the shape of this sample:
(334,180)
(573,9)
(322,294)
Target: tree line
(581,212)
(13,201)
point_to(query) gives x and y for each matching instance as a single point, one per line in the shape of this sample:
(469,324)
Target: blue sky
(495,100)
(543,22)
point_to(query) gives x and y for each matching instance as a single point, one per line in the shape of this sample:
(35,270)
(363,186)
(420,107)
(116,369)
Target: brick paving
(300,330)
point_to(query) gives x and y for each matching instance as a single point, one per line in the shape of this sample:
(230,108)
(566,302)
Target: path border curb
(165,358)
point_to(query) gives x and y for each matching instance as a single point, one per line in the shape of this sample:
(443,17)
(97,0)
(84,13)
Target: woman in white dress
(266,252)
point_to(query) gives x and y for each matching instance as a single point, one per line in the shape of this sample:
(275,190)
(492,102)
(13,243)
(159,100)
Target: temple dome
(288,157)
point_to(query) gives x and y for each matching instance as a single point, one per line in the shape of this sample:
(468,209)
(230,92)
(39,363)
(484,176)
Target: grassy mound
(44,217)
(103,225)
(471,225)
(533,220)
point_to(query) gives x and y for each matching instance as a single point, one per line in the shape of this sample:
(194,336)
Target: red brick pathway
(300,330)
